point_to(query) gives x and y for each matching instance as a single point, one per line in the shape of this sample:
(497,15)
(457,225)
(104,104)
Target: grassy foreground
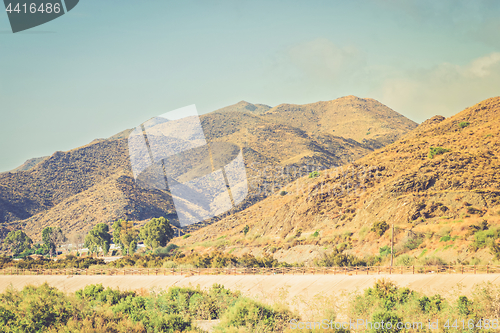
(96,309)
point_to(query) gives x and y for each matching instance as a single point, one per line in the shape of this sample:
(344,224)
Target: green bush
(445,238)
(463,124)
(433,261)
(337,258)
(387,318)
(437,151)
(384,251)
(405,260)
(380,227)
(314,174)
(254,316)
(186,236)
(413,243)
(282,193)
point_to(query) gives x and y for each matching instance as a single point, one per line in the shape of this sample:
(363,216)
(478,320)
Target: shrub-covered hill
(437,185)
(94,184)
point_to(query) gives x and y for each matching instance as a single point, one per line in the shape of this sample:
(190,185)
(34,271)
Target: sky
(109,65)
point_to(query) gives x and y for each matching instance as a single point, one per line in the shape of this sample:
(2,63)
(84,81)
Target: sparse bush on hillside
(246,229)
(413,243)
(337,258)
(437,151)
(473,211)
(282,193)
(314,174)
(433,261)
(463,124)
(404,260)
(384,251)
(380,227)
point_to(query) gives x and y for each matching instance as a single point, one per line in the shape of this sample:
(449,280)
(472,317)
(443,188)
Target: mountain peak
(245,106)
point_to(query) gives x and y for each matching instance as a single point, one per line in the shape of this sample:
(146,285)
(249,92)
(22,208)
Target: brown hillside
(94,183)
(363,120)
(399,184)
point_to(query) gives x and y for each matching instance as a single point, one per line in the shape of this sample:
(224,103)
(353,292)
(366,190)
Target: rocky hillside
(439,185)
(94,183)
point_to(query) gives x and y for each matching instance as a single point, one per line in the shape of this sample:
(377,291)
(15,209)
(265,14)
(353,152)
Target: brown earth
(426,198)
(93,184)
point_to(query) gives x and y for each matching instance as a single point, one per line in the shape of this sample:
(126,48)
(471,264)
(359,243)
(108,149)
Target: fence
(373,270)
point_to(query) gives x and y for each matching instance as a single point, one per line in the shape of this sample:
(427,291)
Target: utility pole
(392,244)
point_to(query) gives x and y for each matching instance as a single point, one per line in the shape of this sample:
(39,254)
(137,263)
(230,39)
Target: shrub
(386,317)
(472,210)
(437,151)
(338,259)
(384,251)
(445,238)
(282,193)
(171,248)
(380,227)
(186,236)
(246,229)
(314,174)
(169,264)
(463,124)
(413,243)
(433,261)
(464,306)
(316,233)
(255,316)
(405,260)
(483,238)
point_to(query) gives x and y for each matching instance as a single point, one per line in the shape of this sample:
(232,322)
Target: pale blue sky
(112,64)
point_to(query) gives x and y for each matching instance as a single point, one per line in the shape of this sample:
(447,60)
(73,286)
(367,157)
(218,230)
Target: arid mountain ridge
(432,200)
(91,184)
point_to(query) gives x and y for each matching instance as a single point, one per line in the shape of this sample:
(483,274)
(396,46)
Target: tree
(128,237)
(98,238)
(18,242)
(157,232)
(117,229)
(52,237)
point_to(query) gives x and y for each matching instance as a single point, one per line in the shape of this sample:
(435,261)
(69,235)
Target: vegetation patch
(437,151)
(380,227)
(314,174)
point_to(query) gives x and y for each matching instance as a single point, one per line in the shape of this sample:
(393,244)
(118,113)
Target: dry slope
(93,184)
(434,198)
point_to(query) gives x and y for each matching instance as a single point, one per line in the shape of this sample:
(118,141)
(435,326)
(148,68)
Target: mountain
(92,184)
(29,164)
(437,185)
(246,107)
